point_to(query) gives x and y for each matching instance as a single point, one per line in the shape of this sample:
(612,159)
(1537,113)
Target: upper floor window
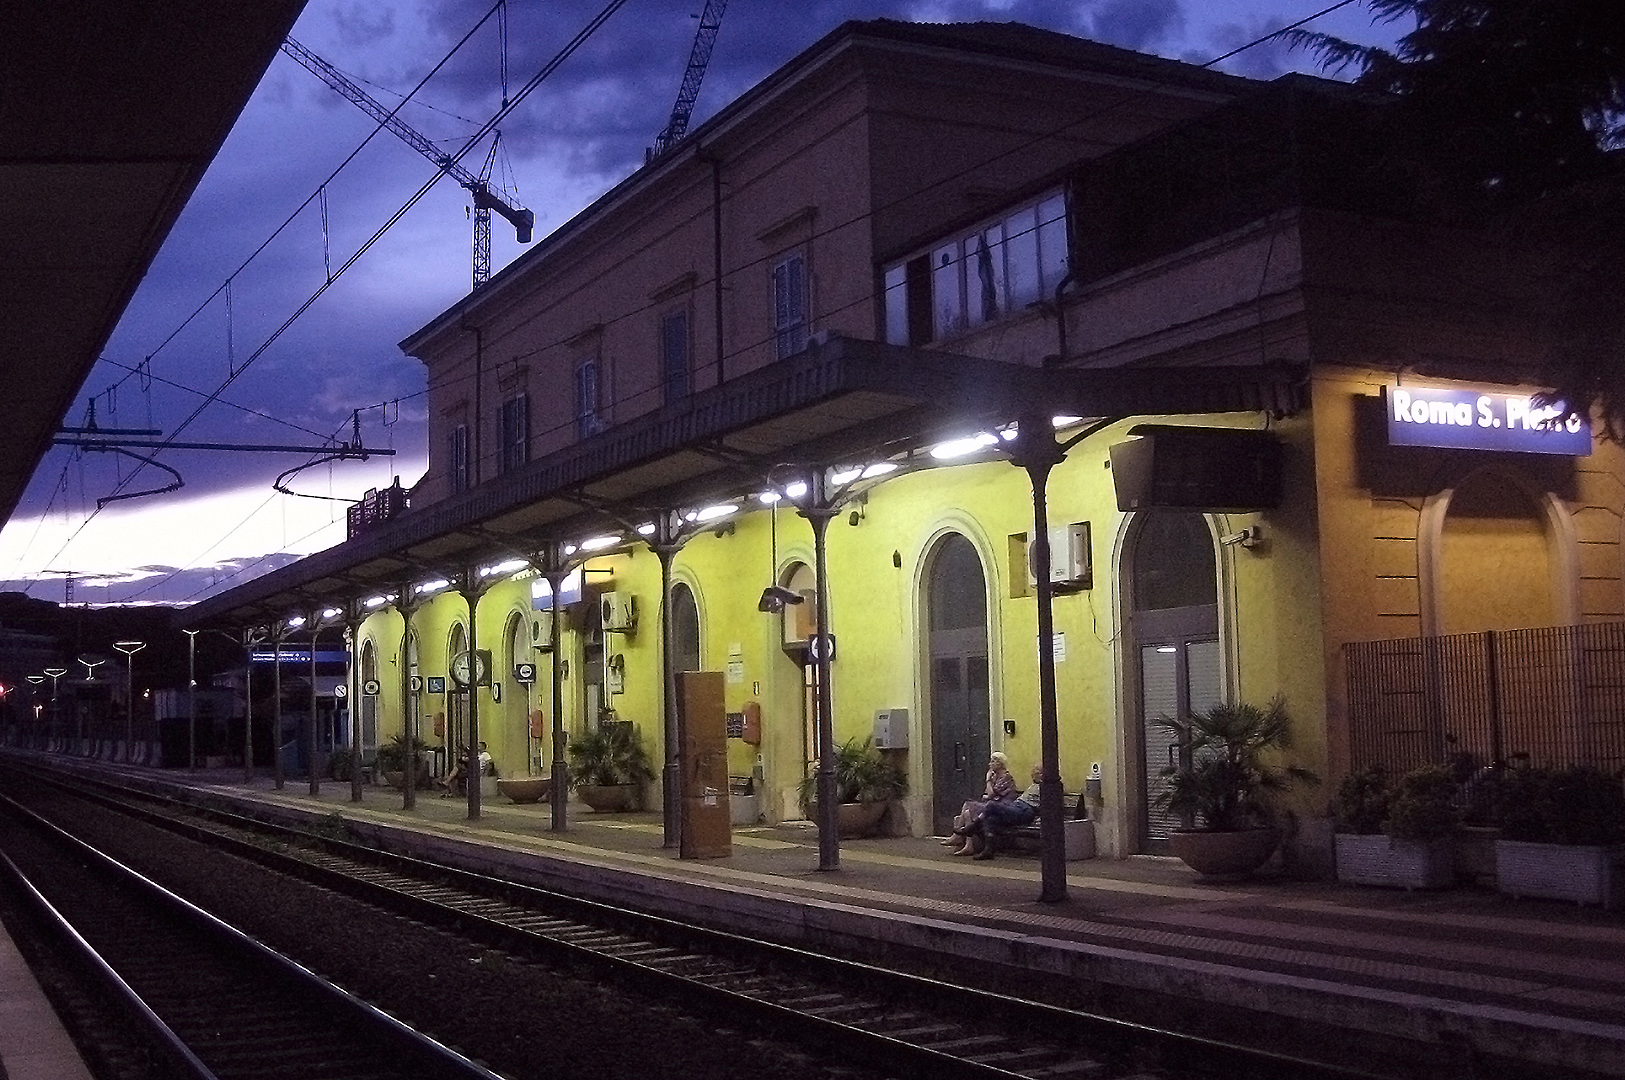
(674,355)
(978,276)
(515,432)
(589,418)
(457,459)
(789,305)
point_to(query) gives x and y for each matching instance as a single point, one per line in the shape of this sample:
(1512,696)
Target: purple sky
(581,131)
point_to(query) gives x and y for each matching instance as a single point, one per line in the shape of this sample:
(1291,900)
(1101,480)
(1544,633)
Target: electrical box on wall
(617,611)
(1071,560)
(541,631)
(891,729)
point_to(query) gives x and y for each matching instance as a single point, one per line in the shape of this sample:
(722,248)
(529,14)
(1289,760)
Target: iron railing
(1550,696)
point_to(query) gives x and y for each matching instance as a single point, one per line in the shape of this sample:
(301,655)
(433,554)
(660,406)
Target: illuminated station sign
(1482,420)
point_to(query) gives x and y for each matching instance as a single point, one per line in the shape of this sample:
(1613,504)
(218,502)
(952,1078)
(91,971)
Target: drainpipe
(559,786)
(714,159)
(818,511)
(665,543)
(1060,321)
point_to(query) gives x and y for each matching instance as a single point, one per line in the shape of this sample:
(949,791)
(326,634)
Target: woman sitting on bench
(982,838)
(453,784)
(1000,787)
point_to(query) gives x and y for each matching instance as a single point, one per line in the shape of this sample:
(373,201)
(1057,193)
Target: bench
(1079,841)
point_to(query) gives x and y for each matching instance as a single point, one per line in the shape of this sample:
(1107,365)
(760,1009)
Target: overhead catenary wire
(603,16)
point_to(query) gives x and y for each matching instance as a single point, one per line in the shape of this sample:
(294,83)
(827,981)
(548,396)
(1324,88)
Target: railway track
(183,994)
(893,1023)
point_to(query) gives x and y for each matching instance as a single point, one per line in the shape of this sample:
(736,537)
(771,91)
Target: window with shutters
(790,305)
(457,459)
(674,355)
(515,432)
(589,415)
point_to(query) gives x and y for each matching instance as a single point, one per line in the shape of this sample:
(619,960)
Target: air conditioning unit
(1071,564)
(541,631)
(618,611)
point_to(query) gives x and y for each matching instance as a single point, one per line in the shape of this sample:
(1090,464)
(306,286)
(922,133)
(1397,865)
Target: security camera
(775,597)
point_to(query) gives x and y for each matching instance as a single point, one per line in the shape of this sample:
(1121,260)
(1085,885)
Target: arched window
(685,628)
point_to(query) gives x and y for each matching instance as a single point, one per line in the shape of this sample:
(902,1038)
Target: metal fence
(1553,696)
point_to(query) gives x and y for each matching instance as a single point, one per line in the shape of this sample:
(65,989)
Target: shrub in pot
(392,758)
(1225,782)
(865,783)
(1397,833)
(1562,833)
(608,766)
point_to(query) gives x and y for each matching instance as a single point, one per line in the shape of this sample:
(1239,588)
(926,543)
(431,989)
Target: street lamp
(129,649)
(54,673)
(90,677)
(191,697)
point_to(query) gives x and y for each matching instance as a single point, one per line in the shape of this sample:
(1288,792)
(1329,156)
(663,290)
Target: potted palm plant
(609,766)
(392,757)
(1224,782)
(1397,833)
(865,785)
(1562,834)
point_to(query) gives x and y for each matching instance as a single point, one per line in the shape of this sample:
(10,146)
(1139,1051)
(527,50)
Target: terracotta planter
(608,798)
(1400,864)
(1224,855)
(525,789)
(853,820)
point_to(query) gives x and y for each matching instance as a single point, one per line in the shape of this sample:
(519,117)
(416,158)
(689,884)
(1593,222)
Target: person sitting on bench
(453,778)
(999,787)
(982,838)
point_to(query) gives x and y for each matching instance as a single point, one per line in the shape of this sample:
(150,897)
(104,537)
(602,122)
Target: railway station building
(796,402)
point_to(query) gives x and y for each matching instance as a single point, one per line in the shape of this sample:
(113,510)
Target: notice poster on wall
(1483,420)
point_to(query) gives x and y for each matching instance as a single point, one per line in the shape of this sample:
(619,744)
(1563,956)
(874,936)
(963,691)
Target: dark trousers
(1004,815)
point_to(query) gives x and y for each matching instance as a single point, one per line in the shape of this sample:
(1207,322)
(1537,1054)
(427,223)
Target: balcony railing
(1553,696)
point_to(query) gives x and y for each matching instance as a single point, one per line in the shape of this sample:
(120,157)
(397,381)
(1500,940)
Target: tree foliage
(1509,115)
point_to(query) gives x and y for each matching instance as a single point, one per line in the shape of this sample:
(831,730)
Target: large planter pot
(608,798)
(853,820)
(525,789)
(1586,875)
(1224,855)
(1395,864)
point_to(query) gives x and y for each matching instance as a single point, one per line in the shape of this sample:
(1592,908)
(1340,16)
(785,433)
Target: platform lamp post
(90,677)
(55,673)
(35,682)
(191,698)
(129,649)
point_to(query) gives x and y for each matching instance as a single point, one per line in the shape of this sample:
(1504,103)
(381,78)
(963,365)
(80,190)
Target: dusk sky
(581,131)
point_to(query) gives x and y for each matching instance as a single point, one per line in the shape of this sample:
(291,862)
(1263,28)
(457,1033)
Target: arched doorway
(368,712)
(1494,531)
(685,628)
(1174,593)
(959,703)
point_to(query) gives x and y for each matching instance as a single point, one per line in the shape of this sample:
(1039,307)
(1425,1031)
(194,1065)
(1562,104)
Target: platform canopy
(110,112)
(843,404)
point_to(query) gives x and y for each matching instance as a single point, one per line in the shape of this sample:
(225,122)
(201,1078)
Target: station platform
(1463,975)
(33,1044)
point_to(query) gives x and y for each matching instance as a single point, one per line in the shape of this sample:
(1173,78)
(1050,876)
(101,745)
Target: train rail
(894,1023)
(199,998)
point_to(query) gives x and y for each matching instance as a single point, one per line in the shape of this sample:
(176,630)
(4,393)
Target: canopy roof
(843,403)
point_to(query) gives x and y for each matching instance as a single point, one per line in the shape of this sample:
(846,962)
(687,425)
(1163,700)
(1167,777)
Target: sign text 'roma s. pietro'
(1482,420)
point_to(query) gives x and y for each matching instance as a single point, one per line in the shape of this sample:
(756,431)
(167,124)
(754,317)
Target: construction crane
(485,200)
(698,58)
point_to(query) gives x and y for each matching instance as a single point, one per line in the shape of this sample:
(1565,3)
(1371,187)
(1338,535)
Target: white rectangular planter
(1397,864)
(1586,875)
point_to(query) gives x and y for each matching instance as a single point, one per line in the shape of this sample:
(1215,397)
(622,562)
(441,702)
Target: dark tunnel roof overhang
(844,402)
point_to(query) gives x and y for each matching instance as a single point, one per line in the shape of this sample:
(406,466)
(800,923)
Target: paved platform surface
(33,1045)
(1534,981)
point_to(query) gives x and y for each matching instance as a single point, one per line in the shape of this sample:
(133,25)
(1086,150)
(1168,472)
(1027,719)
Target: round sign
(340,690)
(371,687)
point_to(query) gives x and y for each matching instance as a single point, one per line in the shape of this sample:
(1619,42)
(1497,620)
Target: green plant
(1223,779)
(1423,806)
(1581,804)
(610,755)
(1362,801)
(343,762)
(862,774)
(392,755)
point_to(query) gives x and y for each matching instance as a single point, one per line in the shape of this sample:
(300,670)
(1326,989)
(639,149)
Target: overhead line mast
(485,200)
(698,58)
